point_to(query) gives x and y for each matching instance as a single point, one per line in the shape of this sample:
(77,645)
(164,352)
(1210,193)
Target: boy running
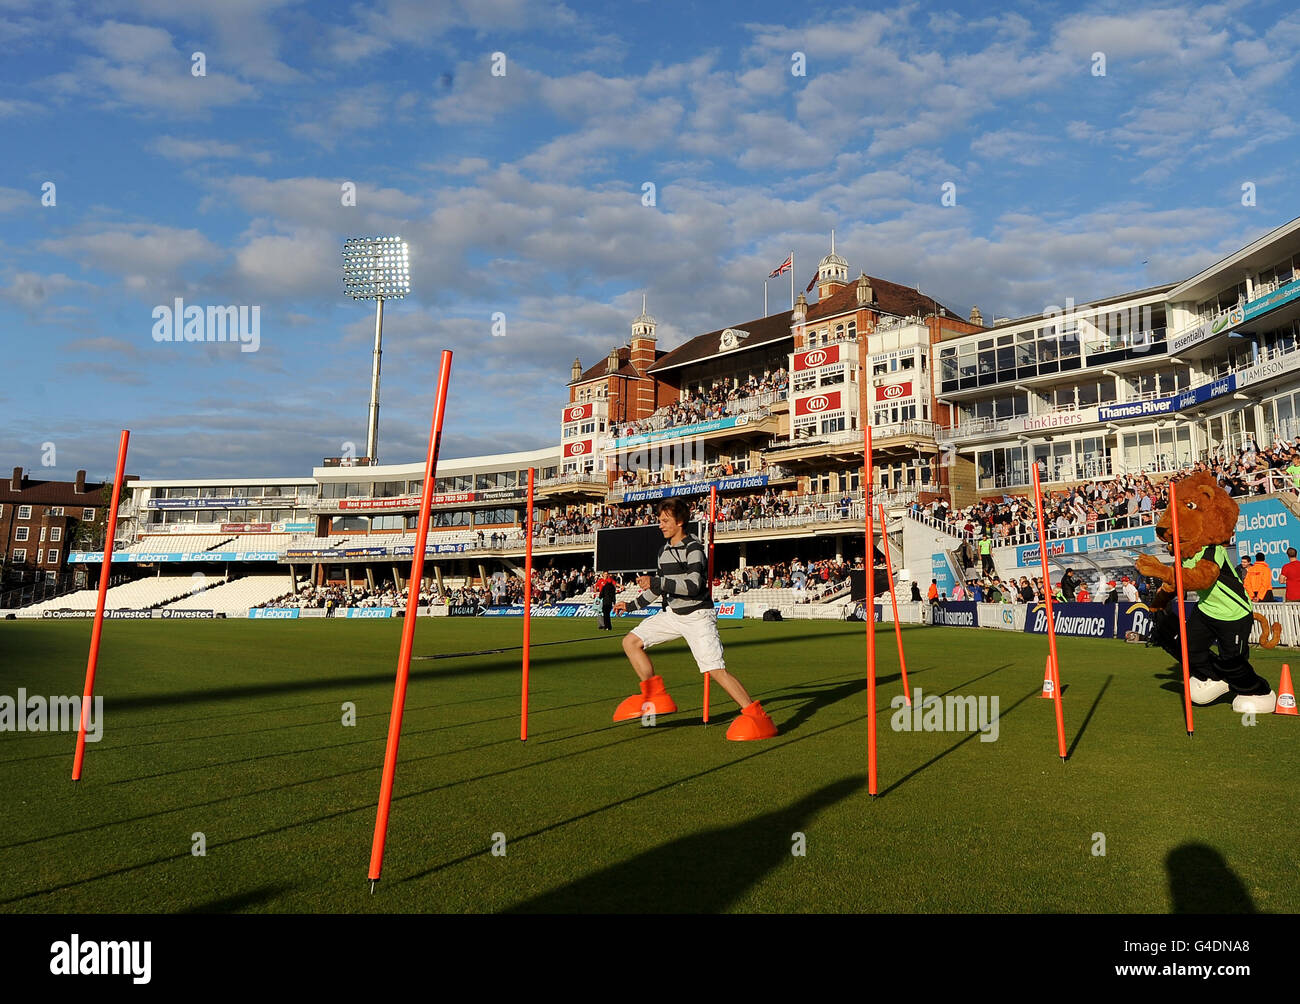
(688,613)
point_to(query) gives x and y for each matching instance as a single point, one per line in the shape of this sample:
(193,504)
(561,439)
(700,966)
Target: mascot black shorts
(1232,638)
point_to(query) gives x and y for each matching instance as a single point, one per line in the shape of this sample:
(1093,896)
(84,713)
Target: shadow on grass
(703,873)
(957,745)
(380,676)
(1088,717)
(406,733)
(241,901)
(1200,881)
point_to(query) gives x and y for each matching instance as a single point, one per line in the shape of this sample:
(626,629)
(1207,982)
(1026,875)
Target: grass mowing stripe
(288,827)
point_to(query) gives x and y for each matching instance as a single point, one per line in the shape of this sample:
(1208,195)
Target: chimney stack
(16,482)
(576,372)
(865,293)
(976,317)
(611,364)
(81,482)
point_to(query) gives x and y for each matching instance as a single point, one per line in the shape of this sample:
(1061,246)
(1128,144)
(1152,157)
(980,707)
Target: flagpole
(792,279)
(764,297)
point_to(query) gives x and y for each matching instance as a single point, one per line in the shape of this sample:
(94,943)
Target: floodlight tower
(375,268)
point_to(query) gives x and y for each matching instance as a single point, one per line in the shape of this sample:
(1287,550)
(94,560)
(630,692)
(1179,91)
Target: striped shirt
(682,580)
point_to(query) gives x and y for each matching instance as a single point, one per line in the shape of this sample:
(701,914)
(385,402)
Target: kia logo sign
(894,391)
(819,403)
(577,448)
(817,357)
(576,412)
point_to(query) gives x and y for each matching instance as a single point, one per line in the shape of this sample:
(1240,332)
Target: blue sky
(522,193)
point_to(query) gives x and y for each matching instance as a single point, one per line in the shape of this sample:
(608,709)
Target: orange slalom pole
(97,628)
(528,606)
(870,610)
(408,627)
(713,515)
(893,602)
(1051,622)
(1182,608)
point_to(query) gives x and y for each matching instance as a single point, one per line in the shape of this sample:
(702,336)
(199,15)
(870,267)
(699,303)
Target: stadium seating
(178,542)
(142,594)
(235,597)
(246,542)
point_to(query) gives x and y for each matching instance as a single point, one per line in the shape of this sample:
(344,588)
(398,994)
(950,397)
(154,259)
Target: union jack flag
(784,267)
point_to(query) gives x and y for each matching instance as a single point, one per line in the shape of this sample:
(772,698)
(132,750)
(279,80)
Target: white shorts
(700,630)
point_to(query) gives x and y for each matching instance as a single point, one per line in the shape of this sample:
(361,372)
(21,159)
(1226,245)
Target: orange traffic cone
(1049,688)
(1285,694)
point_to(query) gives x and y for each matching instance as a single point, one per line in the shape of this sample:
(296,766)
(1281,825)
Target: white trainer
(1262,704)
(1207,691)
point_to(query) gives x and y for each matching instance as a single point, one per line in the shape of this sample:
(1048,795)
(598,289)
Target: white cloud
(145,255)
(303,263)
(178,148)
(13,199)
(32,290)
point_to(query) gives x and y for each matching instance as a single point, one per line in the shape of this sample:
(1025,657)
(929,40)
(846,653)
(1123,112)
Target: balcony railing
(994,426)
(576,478)
(912,427)
(1058,472)
(773,472)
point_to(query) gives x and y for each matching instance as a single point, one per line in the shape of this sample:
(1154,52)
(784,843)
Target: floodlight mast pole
(372,431)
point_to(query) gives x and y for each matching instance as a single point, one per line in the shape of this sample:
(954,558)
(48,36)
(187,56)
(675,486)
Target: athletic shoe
(753,723)
(654,693)
(1207,691)
(1264,704)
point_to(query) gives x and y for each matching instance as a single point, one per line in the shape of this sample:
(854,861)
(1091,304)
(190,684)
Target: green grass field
(234,730)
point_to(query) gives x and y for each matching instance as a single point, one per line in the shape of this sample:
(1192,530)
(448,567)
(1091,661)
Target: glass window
(948,364)
(495,517)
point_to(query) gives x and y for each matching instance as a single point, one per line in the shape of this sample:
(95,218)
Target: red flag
(811,283)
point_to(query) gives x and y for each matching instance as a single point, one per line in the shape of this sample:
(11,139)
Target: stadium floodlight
(375,268)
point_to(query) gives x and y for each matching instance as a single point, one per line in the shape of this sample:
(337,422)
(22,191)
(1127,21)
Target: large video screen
(636,548)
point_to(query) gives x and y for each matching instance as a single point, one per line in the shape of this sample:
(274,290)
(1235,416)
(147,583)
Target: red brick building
(618,389)
(39,521)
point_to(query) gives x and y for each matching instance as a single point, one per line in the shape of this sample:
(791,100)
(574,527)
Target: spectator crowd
(1120,503)
(717,402)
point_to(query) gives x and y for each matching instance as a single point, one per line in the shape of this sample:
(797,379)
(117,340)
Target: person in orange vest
(1259,581)
(933,594)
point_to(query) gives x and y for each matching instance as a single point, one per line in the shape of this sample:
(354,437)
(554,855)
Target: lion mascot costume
(1223,616)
